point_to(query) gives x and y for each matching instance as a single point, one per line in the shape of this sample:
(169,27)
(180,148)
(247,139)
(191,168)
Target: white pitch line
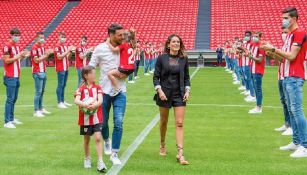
(138,140)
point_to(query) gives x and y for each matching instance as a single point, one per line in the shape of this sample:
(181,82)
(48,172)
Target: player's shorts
(90,129)
(125,71)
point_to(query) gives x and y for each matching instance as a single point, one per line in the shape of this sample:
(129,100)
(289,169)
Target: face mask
(16,38)
(286,23)
(62,40)
(284,36)
(83,43)
(244,42)
(42,40)
(247,38)
(255,39)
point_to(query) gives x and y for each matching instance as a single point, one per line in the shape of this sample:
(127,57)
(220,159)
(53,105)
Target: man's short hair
(113,28)
(39,33)
(292,12)
(14,31)
(258,32)
(62,33)
(248,31)
(84,37)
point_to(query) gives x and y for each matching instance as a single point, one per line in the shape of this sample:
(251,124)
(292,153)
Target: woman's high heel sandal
(162,149)
(180,157)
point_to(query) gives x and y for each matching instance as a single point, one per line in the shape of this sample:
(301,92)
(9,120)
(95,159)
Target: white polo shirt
(106,60)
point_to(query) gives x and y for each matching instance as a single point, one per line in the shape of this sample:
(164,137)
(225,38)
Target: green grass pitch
(219,139)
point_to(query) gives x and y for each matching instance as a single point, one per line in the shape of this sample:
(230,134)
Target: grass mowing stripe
(138,140)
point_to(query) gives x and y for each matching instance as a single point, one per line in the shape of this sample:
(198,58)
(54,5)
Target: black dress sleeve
(186,73)
(157,73)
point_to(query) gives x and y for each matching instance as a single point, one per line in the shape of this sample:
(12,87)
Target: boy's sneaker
(9,125)
(288,132)
(255,110)
(250,99)
(136,77)
(242,88)
(146,74)
(114,159)
(299,153)
(62,106)
(101,167)
(38,114)
(131,82)
(87,162)
(16,122)
(290,147)
(107,147)
(67,104)
(44,111)
(281,129)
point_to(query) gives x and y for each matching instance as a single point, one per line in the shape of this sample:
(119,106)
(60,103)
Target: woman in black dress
(172,82)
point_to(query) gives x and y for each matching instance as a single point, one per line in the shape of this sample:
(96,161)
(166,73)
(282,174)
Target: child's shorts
(125,71)
(90,129)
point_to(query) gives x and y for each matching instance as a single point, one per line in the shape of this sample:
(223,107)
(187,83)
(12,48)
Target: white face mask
(284,36)
(42,40)
(62,40)
(83,43)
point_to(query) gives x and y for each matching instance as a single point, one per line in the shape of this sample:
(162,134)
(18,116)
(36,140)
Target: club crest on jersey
(5,49)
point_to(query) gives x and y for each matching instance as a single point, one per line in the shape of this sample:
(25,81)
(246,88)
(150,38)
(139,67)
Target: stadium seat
(152,21)
(231,18)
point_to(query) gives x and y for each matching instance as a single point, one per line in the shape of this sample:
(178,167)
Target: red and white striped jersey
(61,65)
(245,60)
(86,92)
(258,67)
(80,63)
(297,67)
(13,69)
(38,51)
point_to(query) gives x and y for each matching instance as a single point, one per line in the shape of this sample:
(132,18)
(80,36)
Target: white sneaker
(236,82)
(299,153)
(290,147)
(281,129)
(114,159)
(244,92)
(242,88)
(62,106)
(136,77)
(67,104)
(101,167)
(9,125)
(288,132)
(247,93)
(107,147)
(151,72)
(256,110)
(87,162)
(16,122)
(44,111)
(146,74)
(38,114)
(250,99)
(131,82)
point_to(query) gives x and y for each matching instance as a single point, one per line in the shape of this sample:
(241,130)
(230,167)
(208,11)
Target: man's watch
(273,50)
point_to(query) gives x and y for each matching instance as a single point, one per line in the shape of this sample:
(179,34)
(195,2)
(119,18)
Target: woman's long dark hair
(181,51)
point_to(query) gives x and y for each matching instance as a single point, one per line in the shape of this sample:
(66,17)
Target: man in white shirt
(108,60)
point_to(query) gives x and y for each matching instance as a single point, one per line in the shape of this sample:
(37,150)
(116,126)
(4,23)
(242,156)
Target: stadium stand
(152,20)
(29,16)
(231,18)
